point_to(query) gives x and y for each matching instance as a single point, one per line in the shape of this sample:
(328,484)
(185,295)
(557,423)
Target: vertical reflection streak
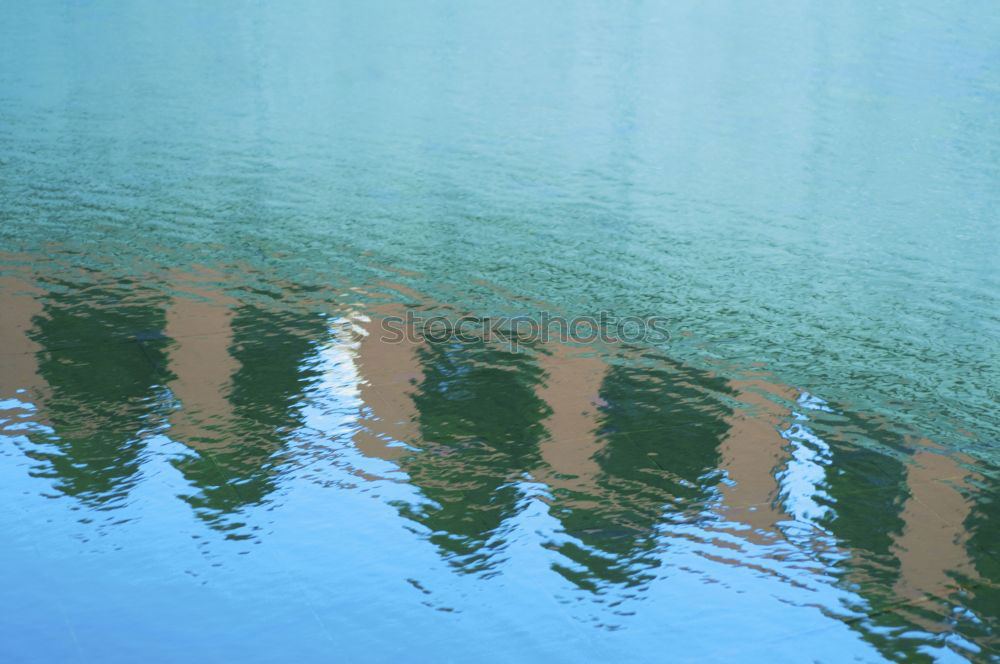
(933,541)
(21,385)
(202,368)
(571,389)
(752,451)
(390,370)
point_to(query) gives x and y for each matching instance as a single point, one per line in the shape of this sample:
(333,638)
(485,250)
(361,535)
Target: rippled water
(209,453)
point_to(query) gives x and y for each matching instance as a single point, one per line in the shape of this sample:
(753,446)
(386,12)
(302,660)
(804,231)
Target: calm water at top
(209,453)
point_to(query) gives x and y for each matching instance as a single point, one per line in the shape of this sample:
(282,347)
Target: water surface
(208,453)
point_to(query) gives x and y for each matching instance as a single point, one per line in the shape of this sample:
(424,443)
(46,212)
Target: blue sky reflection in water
(209,455)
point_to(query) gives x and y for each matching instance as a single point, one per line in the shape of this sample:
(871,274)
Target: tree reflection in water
(636,461)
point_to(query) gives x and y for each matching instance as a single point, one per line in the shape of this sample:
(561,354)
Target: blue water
(206,208)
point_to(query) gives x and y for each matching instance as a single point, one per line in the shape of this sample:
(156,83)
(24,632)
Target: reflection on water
(208,452)
(592,484)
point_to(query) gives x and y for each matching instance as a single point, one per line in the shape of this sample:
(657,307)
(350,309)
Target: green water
(808,192)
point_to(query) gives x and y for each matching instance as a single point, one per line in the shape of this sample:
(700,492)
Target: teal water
(206,457)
